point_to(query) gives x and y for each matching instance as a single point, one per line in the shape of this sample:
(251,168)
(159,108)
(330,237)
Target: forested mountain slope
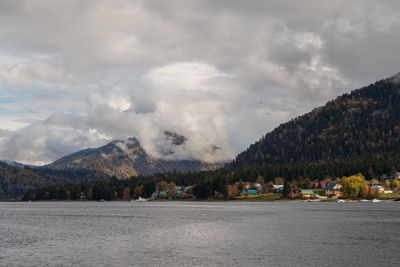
(365,122)
(15,181)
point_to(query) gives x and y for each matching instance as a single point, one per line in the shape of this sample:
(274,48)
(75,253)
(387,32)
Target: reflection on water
(199,233)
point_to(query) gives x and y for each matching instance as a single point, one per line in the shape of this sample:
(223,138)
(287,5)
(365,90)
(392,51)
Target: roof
(251,192)
(277,186)
(323,184)
(307,192)
(331,186)
(376,186)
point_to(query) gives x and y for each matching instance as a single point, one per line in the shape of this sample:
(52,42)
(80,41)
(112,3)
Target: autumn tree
(365,190)
(387,184)
(352,186)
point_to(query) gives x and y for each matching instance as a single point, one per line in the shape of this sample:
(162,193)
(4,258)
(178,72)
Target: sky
(79,73)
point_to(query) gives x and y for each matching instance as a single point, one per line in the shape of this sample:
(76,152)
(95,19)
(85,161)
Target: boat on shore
(140,199)
(313,200)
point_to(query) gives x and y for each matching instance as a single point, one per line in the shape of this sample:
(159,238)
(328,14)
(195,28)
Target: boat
(364,200)
(313,200)
(140,199)
(375,200)
(340,200)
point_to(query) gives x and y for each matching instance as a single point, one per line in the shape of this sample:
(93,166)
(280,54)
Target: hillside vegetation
(363,123)
(16,181)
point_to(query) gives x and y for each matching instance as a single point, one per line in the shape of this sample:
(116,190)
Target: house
(252,192)
(378,188)
(257,186)
(246,185)
(277,188)
(318,186)
(333,189)
(307,193)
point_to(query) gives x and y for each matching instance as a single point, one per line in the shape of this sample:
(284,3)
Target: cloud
(76,74)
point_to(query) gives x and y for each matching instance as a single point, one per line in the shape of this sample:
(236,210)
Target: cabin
(252,192)
(318,186)
(378,188)
(277,188)
(334,189)
(307,193)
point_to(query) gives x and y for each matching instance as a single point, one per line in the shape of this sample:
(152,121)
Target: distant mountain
(18,164)
(16,181)
(126,158)
(365,122)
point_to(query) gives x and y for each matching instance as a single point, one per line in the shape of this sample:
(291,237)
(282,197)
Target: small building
(307,193)
(257,186)
(334,189)
(276,188)
(252,192)
(246,185)
(318,186)
(378,188)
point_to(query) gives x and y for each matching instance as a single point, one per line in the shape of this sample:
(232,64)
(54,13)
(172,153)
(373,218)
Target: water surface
(199,233)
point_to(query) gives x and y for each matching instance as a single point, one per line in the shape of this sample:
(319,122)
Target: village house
(333,190)
(378,188)
(307,193)
(319,186)
(276,188)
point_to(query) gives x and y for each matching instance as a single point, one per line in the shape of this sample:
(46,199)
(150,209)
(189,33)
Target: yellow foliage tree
(365,190)
(387,184)
(352,186)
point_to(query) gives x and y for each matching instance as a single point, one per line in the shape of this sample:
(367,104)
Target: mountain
(17,164)
(363,123)
(16,181)
(126,158)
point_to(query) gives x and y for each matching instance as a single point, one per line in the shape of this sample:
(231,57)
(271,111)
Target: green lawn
(394,195)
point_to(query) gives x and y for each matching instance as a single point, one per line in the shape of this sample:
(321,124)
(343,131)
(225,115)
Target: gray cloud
(76,74)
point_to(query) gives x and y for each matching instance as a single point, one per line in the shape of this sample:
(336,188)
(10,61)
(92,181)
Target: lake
(199,234)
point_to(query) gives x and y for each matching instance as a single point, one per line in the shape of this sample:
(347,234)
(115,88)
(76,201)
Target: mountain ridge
(364,122)
(126,158)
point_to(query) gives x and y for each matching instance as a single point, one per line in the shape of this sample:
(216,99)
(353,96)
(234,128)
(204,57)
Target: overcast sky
(77,74)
